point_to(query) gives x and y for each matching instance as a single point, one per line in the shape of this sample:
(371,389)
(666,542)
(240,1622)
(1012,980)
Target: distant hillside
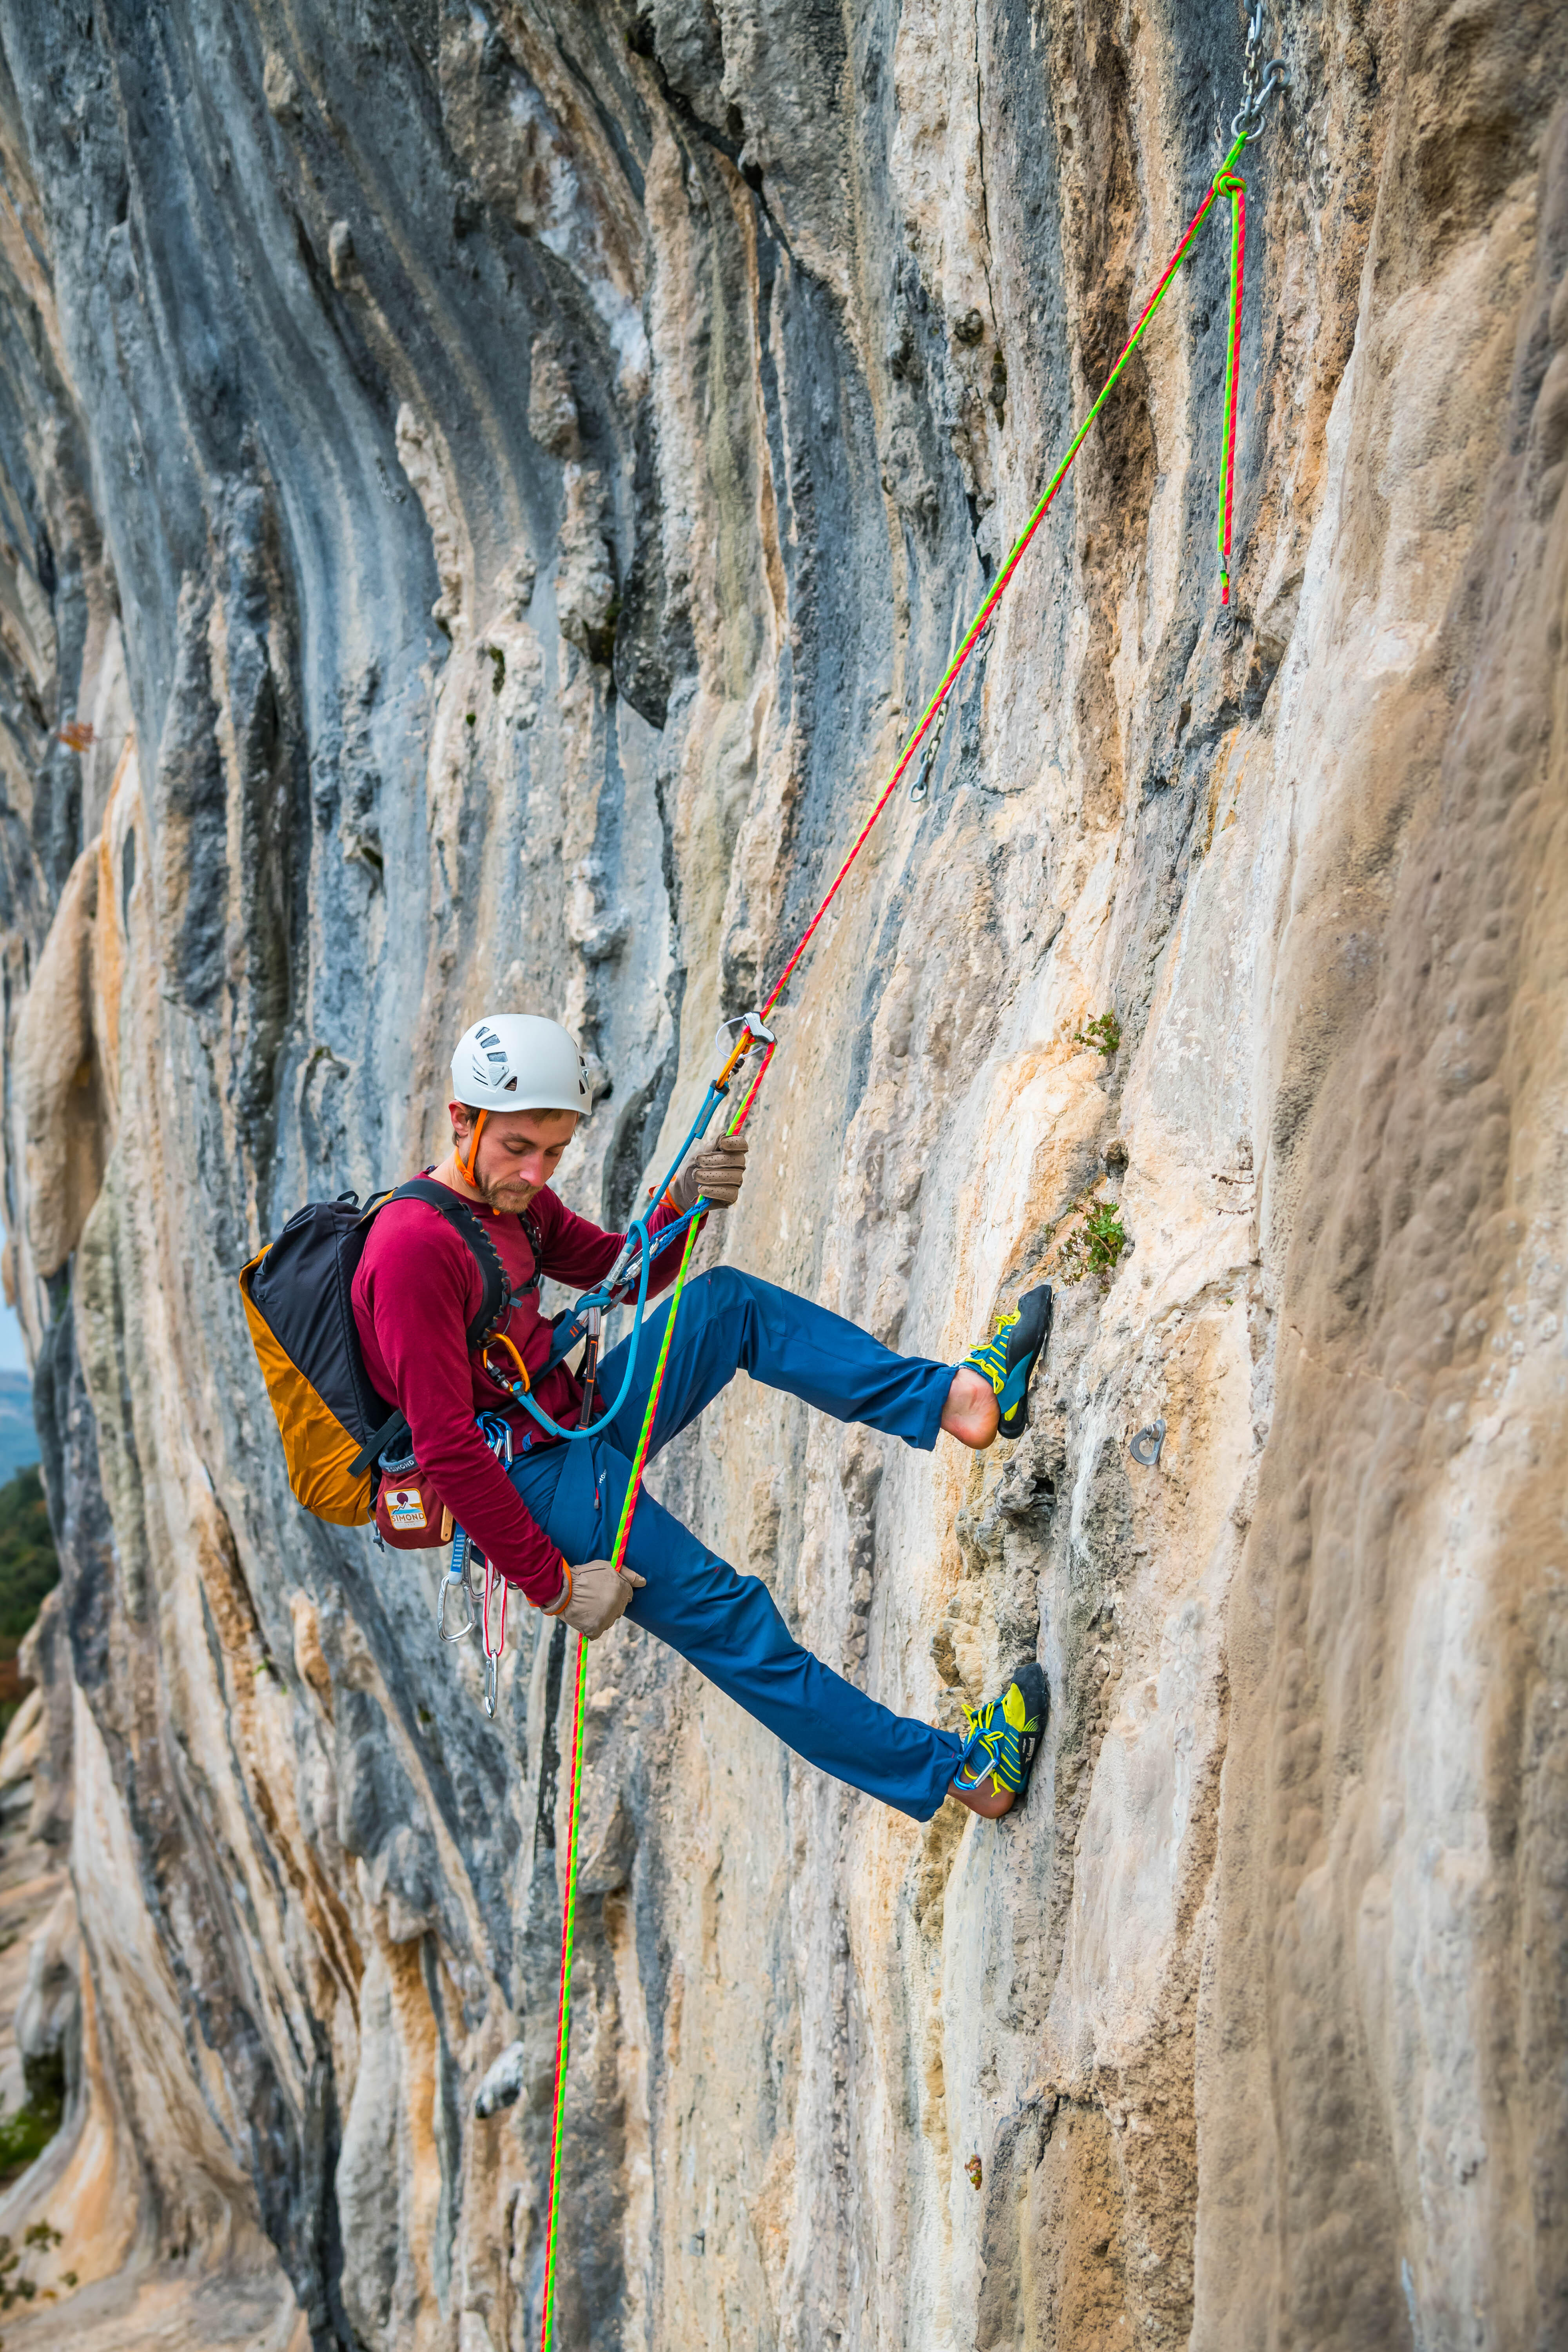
(28,1565)
(18,1438)
(30,1568)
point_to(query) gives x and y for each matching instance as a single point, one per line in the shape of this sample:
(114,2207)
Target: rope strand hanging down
(1228,184)
(1247,124)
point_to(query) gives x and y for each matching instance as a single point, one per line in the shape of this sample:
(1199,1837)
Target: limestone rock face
(488,490)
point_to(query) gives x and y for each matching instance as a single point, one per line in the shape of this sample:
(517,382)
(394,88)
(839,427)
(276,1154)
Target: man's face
(520,1151)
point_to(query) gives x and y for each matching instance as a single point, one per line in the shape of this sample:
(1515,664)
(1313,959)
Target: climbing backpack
(299,1303)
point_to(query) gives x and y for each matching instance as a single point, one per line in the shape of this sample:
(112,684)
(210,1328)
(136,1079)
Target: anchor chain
(1259,81)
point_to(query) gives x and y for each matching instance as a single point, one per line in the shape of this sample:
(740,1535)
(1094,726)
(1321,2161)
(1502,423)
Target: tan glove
(594,1596)
(715,1169)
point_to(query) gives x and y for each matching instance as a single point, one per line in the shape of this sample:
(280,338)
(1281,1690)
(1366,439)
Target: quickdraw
(480,1603)
(754,1033)
(455,1584)
(494,1581)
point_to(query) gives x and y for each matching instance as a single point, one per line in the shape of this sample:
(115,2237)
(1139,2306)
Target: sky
(12,1358)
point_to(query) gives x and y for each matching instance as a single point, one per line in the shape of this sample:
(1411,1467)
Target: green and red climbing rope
(563,2014)
(1226,184)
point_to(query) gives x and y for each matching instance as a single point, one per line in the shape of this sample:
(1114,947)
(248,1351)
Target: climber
(546,1518)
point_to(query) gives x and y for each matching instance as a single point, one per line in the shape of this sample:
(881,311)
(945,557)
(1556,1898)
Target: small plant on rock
(1095,1245)
(1103,1032)
(26,2133)
(15,2286)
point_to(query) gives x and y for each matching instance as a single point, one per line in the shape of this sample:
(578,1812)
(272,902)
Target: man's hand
(716,1170)
(594,1596)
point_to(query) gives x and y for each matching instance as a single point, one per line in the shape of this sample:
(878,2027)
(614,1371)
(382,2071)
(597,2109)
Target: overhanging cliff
(486,489)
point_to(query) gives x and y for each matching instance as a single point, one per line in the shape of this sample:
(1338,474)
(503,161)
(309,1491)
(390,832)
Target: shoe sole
(1030,1678)
(1026,1344)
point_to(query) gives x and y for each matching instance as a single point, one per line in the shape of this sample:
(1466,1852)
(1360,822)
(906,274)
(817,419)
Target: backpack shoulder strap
(535,1241)
(460,1217)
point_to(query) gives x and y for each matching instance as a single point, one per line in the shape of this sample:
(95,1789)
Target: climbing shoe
(1003,1737)
(1009,1358)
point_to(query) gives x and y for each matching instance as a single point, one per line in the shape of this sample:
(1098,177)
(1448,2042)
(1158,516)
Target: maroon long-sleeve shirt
(417,1289)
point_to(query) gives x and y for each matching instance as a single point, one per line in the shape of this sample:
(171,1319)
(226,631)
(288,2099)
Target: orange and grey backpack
(299,1303)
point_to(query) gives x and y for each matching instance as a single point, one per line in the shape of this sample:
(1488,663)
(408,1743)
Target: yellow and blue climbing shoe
(1003,1737)
(1009,1358)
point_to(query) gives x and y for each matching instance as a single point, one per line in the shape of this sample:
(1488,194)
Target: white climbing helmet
(516,1061)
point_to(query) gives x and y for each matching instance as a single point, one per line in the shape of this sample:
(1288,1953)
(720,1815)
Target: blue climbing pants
(726,1625)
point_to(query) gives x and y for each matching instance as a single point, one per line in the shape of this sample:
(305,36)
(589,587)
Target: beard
(508,1194)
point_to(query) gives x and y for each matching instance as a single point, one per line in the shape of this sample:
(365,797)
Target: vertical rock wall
(497,481)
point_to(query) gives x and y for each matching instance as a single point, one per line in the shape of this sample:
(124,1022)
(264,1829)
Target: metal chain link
(1258,82)
(1251,75)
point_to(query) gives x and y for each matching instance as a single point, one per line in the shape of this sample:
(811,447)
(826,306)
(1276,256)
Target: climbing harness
(756,1044)
(632,1266)
(739,1040)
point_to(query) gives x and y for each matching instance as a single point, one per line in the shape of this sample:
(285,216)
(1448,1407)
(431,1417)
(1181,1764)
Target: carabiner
(1249,121)
(456,1580)
(492,1656)
(448,1589)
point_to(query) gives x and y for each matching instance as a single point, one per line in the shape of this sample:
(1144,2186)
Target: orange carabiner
(500,1340)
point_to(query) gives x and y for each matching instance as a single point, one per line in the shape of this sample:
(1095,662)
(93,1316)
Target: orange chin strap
(466,1166)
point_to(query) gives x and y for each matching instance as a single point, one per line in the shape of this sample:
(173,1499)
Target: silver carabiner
(456,1580)
(492,1656)
(1277,78)
(1248,118)
(460,1632)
